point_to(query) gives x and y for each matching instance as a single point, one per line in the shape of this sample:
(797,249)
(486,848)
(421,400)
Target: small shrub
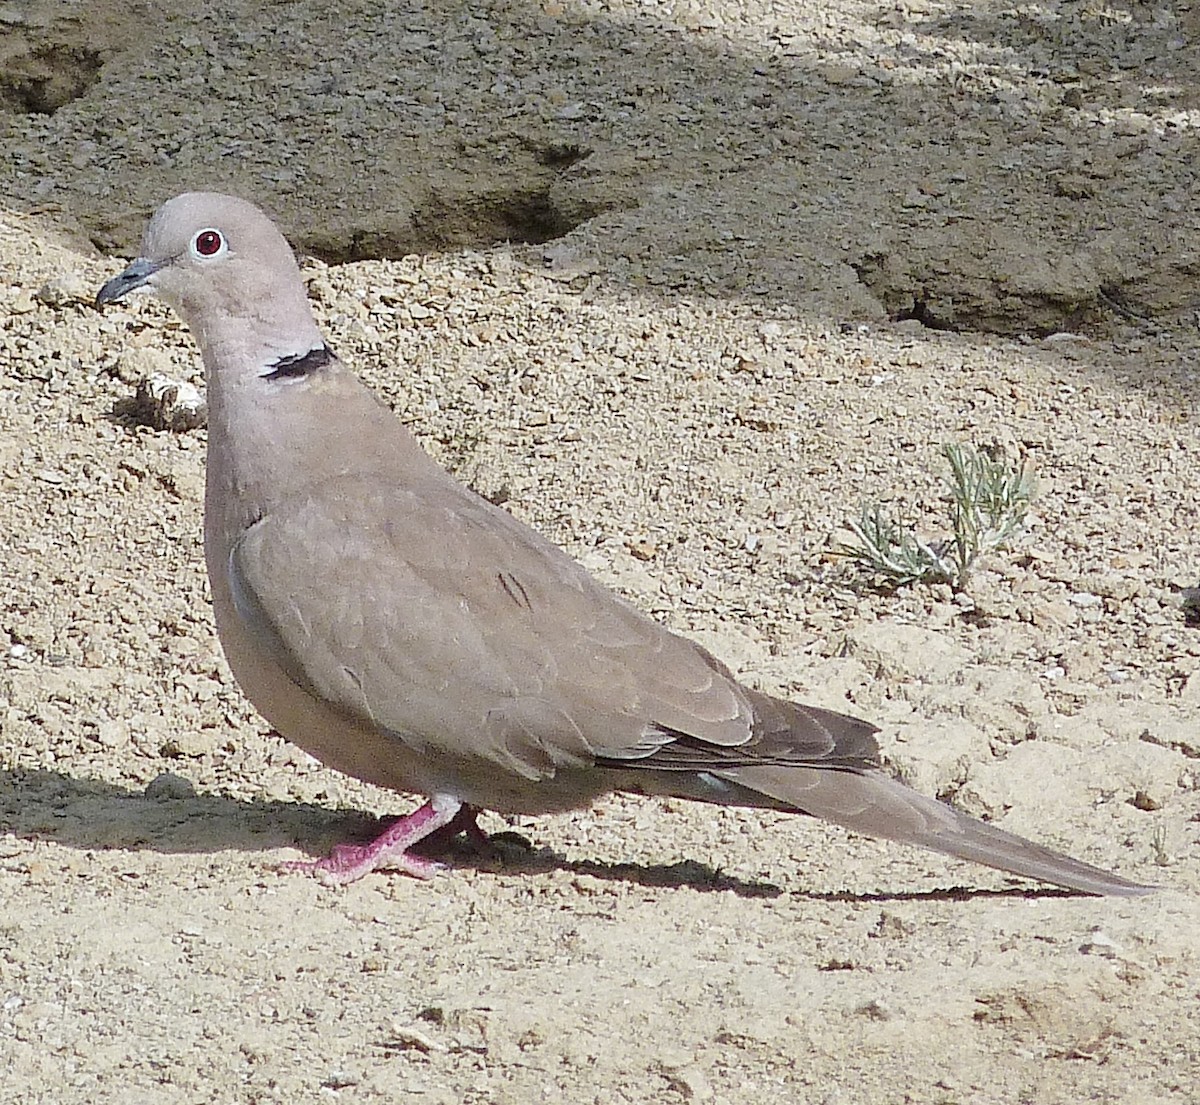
(988,502)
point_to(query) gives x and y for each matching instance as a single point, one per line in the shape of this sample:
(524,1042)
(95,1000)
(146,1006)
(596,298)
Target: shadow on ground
(88,814)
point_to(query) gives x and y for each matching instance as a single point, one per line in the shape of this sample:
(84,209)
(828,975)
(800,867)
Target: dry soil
(684,283)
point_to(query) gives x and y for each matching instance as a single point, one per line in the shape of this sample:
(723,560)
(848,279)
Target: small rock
(1145,801)
(899,651)
(192,744)
(642,549)
(891,926)
(876,1010)
(113,734)
(169,787)
(168,404)
(403,1038)
(689,1082)
(840,73)
(1100,944)
(63,291)
(136,363)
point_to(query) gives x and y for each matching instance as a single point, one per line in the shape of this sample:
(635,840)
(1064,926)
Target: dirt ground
(685,283)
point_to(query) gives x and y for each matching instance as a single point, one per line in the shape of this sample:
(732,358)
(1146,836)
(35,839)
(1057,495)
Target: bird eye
(208,243)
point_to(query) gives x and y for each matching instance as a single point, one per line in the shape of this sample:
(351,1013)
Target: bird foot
(464,822)
(390,850)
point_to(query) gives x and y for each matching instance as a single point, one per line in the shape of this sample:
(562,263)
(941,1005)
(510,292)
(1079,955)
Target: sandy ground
(685,283)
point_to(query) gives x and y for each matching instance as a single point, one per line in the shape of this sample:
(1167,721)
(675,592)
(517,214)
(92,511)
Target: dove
(406,631)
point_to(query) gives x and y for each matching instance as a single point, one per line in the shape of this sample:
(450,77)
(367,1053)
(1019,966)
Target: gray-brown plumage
(409,633)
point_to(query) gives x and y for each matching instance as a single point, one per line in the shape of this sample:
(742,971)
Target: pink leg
(349,862)
(464,822)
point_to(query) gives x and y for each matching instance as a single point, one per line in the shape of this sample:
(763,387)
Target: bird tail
(873,803)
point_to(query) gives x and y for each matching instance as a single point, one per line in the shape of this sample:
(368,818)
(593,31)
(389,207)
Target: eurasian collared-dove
(405,631)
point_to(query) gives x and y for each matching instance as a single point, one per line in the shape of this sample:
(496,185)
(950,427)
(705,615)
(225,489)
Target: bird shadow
(941,894)
(93,815)
(513,854)
(90,814)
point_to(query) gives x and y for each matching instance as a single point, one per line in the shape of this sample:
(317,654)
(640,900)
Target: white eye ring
(207,244)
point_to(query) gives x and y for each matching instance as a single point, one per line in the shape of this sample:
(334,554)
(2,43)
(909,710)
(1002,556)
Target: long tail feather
(872,803)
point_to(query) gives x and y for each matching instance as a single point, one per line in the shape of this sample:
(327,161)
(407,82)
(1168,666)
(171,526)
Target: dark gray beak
(135,276)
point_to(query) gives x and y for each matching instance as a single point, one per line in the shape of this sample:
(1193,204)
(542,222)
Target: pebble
(167,404)
(169,787)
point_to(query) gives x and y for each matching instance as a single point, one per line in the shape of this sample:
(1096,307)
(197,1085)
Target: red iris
(207,243)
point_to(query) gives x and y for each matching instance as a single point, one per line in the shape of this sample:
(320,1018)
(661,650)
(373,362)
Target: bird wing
(427,611)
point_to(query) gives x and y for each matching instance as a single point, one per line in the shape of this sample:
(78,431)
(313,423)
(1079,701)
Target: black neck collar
(299,364)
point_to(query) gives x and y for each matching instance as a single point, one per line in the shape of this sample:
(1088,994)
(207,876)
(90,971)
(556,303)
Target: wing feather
(431,613)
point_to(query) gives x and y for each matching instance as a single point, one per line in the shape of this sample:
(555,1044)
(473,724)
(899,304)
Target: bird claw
(348,863)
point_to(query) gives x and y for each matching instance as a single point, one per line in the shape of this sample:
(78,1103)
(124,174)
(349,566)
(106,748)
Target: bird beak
(137,274)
